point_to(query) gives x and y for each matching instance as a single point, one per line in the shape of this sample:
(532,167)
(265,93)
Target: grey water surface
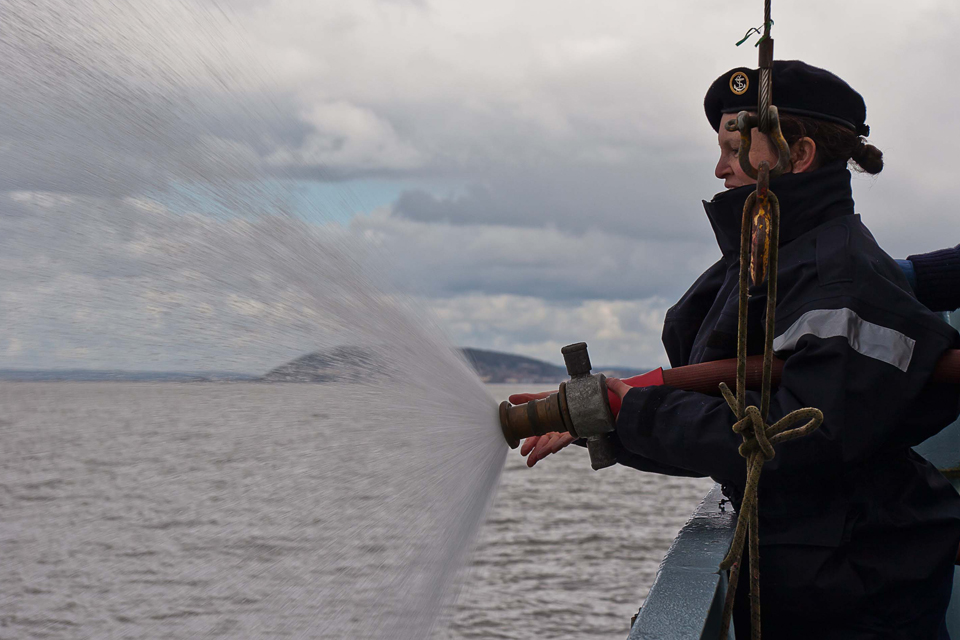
(171,510)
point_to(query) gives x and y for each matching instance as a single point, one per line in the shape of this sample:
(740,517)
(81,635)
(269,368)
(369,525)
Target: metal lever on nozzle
(581,407)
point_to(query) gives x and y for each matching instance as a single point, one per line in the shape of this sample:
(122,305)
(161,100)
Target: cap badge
(739,82)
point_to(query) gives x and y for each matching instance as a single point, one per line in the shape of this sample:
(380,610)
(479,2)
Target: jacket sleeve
(938,278)
(864,367)
(641,463)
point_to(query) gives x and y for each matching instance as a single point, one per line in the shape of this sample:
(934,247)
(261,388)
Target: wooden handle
(706,377)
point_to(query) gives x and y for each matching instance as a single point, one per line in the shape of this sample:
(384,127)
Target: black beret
(798,89)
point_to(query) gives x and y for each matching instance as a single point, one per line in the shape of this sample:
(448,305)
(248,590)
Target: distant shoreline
(101,375)
(338,365)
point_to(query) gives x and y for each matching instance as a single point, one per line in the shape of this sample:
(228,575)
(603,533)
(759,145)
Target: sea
(193,510)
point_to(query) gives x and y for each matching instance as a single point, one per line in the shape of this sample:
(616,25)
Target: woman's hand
(539,447)
(521,398)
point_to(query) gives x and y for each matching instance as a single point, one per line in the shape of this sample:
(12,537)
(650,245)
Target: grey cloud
(475,207)
(655,198)
(660,211)
(445,260)
(488,243)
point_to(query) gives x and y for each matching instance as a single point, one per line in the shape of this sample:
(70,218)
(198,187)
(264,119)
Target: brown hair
(834,142)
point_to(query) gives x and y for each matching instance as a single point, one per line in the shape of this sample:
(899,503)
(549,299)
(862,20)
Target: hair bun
(868,157)
(859,150)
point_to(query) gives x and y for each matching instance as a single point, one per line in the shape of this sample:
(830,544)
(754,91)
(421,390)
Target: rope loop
(754,433)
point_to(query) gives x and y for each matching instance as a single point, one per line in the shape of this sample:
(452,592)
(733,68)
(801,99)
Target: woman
(858,533)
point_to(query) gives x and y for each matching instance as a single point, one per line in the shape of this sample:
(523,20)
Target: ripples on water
(241,510)
(569,552)
(144,510)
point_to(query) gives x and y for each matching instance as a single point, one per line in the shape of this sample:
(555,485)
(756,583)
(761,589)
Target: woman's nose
(723,170)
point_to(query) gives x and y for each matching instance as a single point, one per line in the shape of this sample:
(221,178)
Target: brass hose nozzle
(534,418)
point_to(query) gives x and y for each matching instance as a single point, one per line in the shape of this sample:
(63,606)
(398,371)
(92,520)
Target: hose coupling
(581,408)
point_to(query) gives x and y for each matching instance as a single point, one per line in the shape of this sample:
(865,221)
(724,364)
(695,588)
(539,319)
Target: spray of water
(143,227)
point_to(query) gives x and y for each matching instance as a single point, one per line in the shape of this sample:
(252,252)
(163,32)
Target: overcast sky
(531,171)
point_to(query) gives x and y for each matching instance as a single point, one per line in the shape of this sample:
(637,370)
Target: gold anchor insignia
(739,83)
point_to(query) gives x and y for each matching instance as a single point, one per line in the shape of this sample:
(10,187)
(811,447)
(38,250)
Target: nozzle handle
(602,452)
(577,359)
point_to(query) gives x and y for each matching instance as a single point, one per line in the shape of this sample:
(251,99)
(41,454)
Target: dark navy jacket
(858,346)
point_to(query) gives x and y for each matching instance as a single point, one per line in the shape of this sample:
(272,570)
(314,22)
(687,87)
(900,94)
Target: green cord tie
(763,34)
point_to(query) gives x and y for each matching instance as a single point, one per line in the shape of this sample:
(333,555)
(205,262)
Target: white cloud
(348,136)
(618,332)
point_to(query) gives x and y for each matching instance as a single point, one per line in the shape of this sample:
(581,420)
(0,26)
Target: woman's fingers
(520,398)
(544,446)
(528,445)
(532,446)
(535,455)
(618,386)
(541,450)
(560,442)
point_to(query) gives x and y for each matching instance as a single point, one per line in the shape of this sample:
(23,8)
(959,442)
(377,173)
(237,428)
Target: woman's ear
(803,155)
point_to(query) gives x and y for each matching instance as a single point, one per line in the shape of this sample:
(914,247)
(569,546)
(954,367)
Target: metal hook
(745,123)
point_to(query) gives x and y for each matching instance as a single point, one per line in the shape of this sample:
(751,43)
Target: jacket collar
(807,200)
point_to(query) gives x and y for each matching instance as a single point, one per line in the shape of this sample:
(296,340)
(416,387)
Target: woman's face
(728,168)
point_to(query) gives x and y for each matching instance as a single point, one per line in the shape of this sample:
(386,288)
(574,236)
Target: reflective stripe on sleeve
(866,338)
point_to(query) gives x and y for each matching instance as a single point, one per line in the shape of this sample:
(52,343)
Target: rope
(759,255)
(758,437)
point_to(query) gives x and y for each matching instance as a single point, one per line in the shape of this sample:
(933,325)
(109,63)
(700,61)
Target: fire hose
(585,408)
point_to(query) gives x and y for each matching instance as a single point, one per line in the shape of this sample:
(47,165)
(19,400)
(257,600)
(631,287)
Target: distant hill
(494,366)
(102,375)
(341,364)
(499,367)
(353,364)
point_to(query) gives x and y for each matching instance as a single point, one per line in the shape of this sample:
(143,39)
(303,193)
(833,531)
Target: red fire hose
(706,377)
